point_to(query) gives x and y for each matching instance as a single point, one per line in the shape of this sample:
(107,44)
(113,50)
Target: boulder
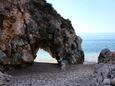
(27,25)
(106,56)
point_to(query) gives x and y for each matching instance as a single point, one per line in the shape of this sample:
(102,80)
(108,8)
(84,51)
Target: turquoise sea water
(92,45)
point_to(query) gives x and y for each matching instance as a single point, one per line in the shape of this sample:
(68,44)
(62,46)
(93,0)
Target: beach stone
(27,25)
(4,79)
(113,82)
(106,82)
(104,74)
(106,56)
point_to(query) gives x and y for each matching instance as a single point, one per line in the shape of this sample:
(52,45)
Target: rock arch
(27,25)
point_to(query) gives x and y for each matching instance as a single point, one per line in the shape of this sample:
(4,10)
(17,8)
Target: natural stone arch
(27,25)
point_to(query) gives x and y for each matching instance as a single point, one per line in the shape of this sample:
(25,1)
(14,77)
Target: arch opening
(44,56)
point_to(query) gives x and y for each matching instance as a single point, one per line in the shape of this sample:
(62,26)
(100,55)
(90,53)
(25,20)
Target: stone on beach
(113,82)
(106,56)
(4,79)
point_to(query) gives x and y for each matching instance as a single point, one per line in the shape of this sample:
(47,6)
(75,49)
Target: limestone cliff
(27,25)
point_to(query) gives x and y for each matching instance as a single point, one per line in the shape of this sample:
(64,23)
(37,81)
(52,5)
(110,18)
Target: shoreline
(54,61)
(43,56)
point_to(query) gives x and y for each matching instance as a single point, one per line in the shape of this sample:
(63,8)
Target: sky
(88,16)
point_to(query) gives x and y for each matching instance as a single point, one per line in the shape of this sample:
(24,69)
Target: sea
(92,45)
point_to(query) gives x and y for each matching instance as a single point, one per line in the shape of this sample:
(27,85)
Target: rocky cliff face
(27,25)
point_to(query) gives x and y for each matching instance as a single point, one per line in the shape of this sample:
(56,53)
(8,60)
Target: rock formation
(27,25)
(106,56)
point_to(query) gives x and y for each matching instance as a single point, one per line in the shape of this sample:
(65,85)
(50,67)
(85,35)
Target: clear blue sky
(88,16)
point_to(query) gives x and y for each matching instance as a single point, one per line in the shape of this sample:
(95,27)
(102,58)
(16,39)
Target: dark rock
(106,56)
(27,25)
(113,82)
(2,55)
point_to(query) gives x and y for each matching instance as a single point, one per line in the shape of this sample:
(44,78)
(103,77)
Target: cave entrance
(44,56)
